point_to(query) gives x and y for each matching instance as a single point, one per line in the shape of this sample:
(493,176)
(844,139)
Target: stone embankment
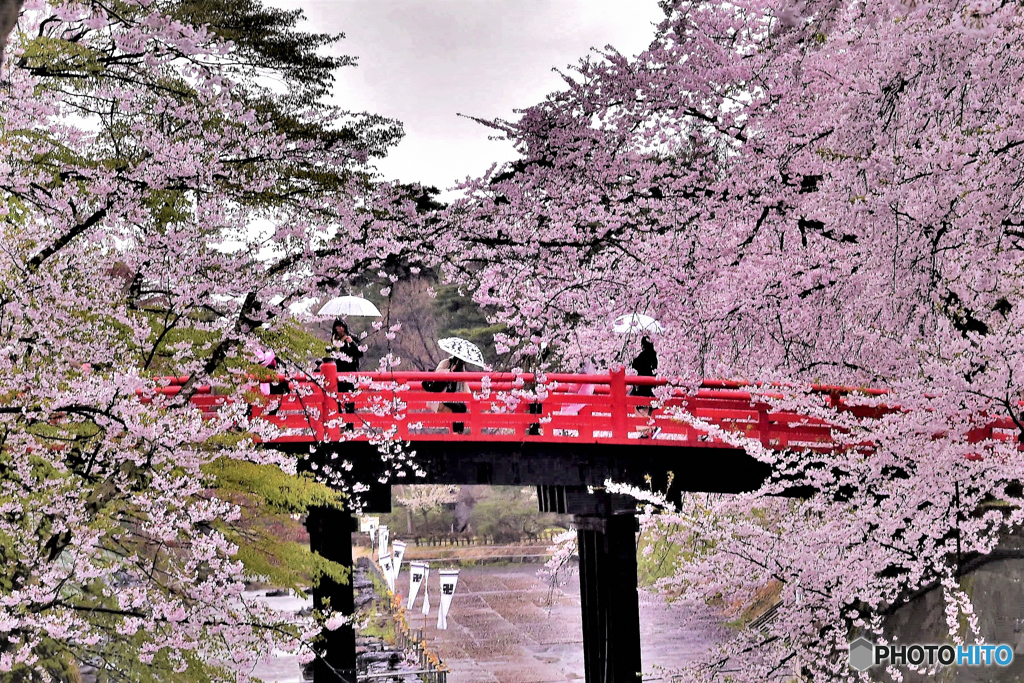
(387,649)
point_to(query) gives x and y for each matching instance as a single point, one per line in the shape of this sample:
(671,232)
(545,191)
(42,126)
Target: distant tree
(409,305)
(424,498)
(460,316)
(425,311)
(9,10)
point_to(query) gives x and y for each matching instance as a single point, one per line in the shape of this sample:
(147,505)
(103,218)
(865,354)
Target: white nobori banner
(382,541)
(398,550)
(385,569)
(416,575)
(449,577)
(369,525)
(426,582)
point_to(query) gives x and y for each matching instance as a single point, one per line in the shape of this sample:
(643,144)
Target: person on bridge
(345,354)
(453,364)
(646,365)
(344,351)
(269,360)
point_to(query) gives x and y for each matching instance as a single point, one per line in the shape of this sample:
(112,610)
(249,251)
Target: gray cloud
(424,61)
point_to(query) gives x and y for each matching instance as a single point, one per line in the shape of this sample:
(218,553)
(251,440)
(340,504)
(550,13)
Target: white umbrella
(460,348)
(636,322)
(349,305)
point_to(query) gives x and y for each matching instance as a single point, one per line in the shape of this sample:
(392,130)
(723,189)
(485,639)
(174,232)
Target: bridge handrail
(170,385)
(608,412)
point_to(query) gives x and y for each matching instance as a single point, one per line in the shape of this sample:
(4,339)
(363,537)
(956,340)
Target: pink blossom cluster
(800,192)
(153,219)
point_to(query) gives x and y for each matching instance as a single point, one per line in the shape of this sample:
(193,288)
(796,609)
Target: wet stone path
(506,626)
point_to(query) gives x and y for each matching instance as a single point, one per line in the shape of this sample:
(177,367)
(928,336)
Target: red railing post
(764,425)
(403,424)
(330,412)
(617,393)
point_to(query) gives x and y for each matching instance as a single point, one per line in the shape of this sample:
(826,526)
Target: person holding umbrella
(646,365)
(344,352)
(462,352)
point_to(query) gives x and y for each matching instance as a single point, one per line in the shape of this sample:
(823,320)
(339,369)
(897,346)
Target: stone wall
(996,587)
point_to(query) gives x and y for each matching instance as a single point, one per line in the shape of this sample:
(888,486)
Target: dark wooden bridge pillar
(606,541)
(608,597)
(330,536)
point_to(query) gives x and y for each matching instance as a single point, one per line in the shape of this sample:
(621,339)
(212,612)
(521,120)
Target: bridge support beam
(606,540)
(608,597)
(330,536)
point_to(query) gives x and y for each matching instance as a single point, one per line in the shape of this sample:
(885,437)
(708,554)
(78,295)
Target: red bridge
(565,434)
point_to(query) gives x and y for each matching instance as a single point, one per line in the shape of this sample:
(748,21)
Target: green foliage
(45,52)
(426,319)
(657,557)
(56,660)
(506,520)
(266,37)
(269,536)
(162,669)
(507,513)
(63,663)
(286,564)
(434,522)
(294,345)
(273,489)
(271,541)
(378,623)
(459,316)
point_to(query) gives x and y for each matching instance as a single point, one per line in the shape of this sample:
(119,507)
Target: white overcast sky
(425,61)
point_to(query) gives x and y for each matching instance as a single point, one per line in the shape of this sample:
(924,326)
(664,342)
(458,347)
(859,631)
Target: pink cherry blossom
(814,193)
(153,222)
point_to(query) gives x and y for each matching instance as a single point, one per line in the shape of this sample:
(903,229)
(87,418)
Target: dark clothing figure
(646,365)
(453,364)
(345,354)
(343,351)
(278,388)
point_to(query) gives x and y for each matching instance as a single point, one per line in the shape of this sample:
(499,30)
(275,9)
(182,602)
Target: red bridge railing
(596,408)
(506,407)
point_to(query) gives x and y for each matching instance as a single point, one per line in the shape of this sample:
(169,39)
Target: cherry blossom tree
(166,196)
(425,497)
(801,192)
